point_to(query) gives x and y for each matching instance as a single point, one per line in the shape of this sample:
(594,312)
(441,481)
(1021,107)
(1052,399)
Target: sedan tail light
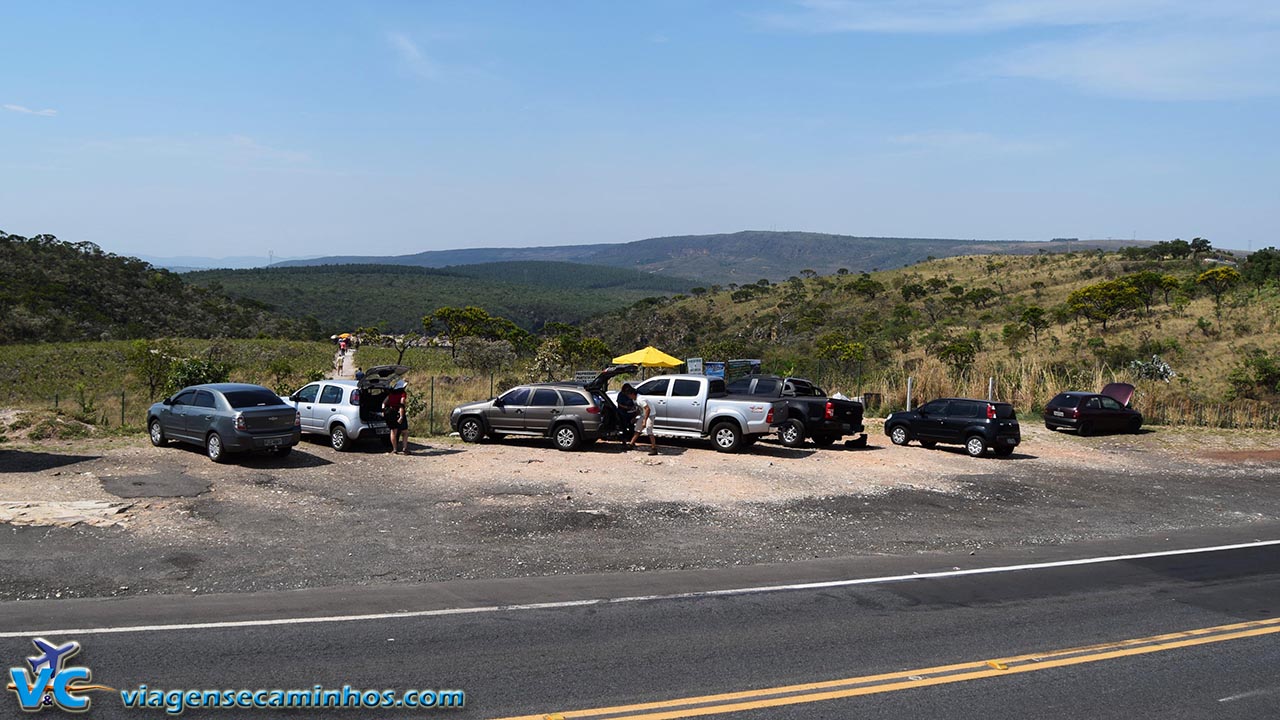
(830,414)
(239,421)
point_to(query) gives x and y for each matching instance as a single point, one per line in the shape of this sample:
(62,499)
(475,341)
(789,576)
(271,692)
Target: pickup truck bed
(810,413)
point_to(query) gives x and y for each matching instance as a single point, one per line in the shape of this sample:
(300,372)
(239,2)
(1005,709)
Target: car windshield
(251,398)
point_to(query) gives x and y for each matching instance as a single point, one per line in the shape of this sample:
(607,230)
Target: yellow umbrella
(648,357)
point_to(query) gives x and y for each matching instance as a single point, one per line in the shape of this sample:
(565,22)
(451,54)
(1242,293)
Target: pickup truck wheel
(792,433)
(824,440)
(470,429)
(727,437)
(338,438)
(975,446)
(567,437)
(899,435)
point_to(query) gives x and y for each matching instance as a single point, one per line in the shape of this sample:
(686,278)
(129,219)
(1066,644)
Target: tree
(1035,319)
(980,296)
(1104,301)
(1200,246)
(1262,266)
(485,355)
(959,354)
(1147,283)
(150,361)
(472,321)
(402,343)
(913,291)
(1014,335)
(1218,281)
(867,286)
(935,284)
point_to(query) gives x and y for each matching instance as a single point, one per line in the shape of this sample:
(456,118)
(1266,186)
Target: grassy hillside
(527,293)
(55,290)
(733,257)
(953,323)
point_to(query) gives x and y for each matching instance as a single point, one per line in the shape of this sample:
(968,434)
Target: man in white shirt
(644,422)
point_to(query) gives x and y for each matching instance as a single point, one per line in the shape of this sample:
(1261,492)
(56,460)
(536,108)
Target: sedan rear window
(251,398)
(1064,400)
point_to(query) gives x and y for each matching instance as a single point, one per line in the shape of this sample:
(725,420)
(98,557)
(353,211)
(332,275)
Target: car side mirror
(168,401)
(497,402)
(294,397)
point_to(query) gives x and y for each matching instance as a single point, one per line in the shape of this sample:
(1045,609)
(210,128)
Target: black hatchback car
(978,425)
(1088,413)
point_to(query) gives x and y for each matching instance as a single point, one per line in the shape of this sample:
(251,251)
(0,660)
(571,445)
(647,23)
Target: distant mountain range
(529,293)
(186,263)
(733,257)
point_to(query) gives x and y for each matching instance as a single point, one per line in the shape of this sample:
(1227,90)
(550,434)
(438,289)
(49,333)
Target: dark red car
(1090,413)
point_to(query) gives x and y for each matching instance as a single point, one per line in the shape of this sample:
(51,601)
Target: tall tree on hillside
(1218,281)
(1104,301)
(1035,319)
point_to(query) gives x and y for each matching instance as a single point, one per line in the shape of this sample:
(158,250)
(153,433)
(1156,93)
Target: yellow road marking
(923,677)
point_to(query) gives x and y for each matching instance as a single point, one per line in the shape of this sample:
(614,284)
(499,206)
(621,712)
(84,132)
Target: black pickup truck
(810,413)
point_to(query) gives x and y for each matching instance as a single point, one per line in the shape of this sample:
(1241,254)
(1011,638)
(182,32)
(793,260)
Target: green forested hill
(52,290)
(739,257)
(398,296)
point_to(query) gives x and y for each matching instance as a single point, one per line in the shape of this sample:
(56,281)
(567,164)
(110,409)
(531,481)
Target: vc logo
(49,682)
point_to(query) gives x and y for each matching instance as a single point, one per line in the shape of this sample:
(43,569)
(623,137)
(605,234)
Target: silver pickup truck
(697,406)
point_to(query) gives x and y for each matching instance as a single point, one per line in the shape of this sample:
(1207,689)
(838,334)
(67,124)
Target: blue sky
(310,128)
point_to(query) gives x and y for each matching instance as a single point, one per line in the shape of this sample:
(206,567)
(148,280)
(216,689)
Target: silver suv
(572,415)
(347,410)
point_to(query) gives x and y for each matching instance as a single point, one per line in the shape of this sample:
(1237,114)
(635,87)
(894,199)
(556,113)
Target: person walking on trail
(644,421)
(395,408)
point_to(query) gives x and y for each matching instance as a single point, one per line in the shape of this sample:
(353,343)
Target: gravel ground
(519,507)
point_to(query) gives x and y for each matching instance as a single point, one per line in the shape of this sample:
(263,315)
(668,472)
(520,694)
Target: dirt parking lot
(166,520)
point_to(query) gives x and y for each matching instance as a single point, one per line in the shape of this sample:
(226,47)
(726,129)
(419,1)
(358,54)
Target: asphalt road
(1040,642)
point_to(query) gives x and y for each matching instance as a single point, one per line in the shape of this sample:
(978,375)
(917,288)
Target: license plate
(1058,413)
(271,442)
(382,431)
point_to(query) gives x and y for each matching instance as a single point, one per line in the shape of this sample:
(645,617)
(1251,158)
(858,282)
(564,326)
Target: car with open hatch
(1088,413)
(977,425)
(226,419)
(347,411)
(572,415)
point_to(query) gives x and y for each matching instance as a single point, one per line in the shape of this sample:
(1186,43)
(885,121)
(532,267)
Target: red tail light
(991,411)
(1075,412)
(355,396)
(593,410)
(297,419)
(240,425)
(769,418)
(830,414)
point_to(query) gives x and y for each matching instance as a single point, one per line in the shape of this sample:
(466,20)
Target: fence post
(490,384)
(432,421)
(991,388)
(909,384)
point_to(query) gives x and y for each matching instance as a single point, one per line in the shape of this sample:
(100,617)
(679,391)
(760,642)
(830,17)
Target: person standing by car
(395,411)
(626,408)
(644,420)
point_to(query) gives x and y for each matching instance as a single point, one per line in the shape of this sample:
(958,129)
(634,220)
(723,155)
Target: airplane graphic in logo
(54,656)
(50,682)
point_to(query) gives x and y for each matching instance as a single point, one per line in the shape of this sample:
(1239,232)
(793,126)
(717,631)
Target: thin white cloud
(1175,66)
(411,57)
(1138,49)
(976,142)
(982,16)
(47,112)
(240,150)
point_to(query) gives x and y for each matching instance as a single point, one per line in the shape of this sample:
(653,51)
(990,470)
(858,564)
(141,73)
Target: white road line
(633,598)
